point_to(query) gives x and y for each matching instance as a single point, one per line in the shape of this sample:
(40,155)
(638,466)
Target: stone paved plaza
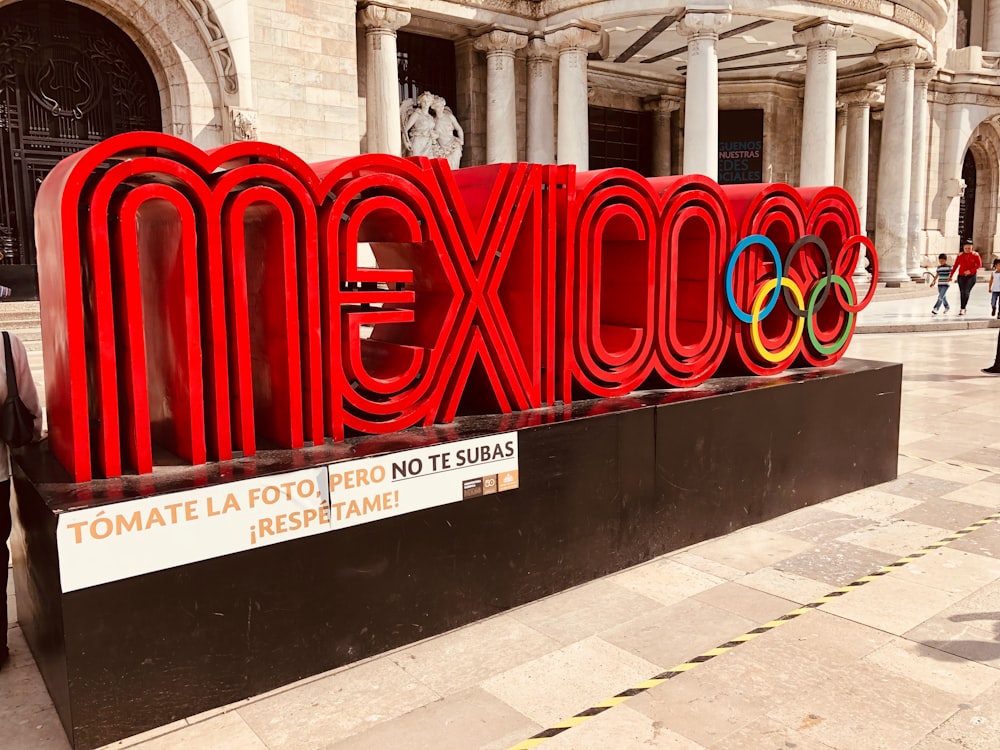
(909,660)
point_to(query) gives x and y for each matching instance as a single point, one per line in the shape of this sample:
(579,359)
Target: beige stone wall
(303,57)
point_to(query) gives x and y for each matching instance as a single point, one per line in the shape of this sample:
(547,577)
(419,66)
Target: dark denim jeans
(965,284)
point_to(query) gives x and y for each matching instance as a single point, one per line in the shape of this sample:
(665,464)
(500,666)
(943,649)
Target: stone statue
(449,137)
(430,128)
(418,125)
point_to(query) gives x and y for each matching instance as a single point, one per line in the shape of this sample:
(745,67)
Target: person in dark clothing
(29,395)
(967,265)
(994,369)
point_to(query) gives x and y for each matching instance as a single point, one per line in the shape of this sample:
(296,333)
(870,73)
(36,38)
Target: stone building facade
(896,100)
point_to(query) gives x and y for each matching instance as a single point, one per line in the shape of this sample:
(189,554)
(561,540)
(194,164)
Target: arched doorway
(967,203)
(68,79)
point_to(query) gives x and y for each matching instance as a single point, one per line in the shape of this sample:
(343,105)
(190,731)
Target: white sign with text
(134,537)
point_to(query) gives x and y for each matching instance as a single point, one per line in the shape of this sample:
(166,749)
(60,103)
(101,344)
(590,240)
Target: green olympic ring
(836,346)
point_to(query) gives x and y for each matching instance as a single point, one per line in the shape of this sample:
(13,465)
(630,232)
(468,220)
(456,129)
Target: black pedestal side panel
(602,487)
(760,453)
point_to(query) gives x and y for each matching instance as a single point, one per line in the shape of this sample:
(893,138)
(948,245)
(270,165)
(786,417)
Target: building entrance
(68,79)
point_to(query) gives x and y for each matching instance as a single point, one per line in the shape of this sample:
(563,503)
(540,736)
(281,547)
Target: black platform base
(603,485)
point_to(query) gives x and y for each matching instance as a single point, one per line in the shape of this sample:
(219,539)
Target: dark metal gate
(68,79)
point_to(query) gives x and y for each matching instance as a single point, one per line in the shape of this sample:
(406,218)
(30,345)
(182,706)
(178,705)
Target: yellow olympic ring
(758,303)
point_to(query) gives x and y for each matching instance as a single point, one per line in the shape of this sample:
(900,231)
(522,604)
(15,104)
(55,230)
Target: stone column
(893,202)
(841,156)
(541,145)
(663,108)
(701,95)
(819,108)
(501,93)
(574,42)
(992,41)
(382,76)
(918,172)
(859,105)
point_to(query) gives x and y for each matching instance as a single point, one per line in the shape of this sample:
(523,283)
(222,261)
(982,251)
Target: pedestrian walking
(995,289)
(943,275)
(967,265)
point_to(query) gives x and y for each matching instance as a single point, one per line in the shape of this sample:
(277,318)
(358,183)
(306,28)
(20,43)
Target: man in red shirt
(967,264)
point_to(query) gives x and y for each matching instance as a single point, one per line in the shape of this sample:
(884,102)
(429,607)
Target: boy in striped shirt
(943,279)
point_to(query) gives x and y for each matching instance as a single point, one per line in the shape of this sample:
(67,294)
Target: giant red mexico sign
(211,302)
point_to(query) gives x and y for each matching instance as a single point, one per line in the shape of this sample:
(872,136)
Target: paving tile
(930,742)
(836,563)
(946,514)
(983,456)
(943,446)
(817,524)
(919,487)
(950,472)
(895,537)
(746,601)
(464,657)
(864,707)
(945,672)
(952,570)
(767,734)
(972,635)
(912,604)
(224,732)
(462,721)
(983,493)
(983,541)
(976,725)
(621,727)
(665,580)
(907,464)
(673,635)
(751,548)
(692,559)
(565,682)
(701,705)
(573,615)
(870,503)
(38,729)
(786,585)
(336,706)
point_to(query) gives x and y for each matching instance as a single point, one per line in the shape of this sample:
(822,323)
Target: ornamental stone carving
(243,124)
(697,26)
(500,42)
(382,19)
(821,33)
(585,36)
(897,54)
(867,97)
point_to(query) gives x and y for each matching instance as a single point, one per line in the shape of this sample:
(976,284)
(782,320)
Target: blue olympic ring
(753,239)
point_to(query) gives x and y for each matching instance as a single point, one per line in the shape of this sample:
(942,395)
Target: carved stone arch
(191,58)
(984,147)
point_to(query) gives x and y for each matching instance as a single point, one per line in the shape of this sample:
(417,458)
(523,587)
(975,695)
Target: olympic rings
(783,354)
(753,239)
(809,239)
(836,346)
(870,247)
(834,278)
